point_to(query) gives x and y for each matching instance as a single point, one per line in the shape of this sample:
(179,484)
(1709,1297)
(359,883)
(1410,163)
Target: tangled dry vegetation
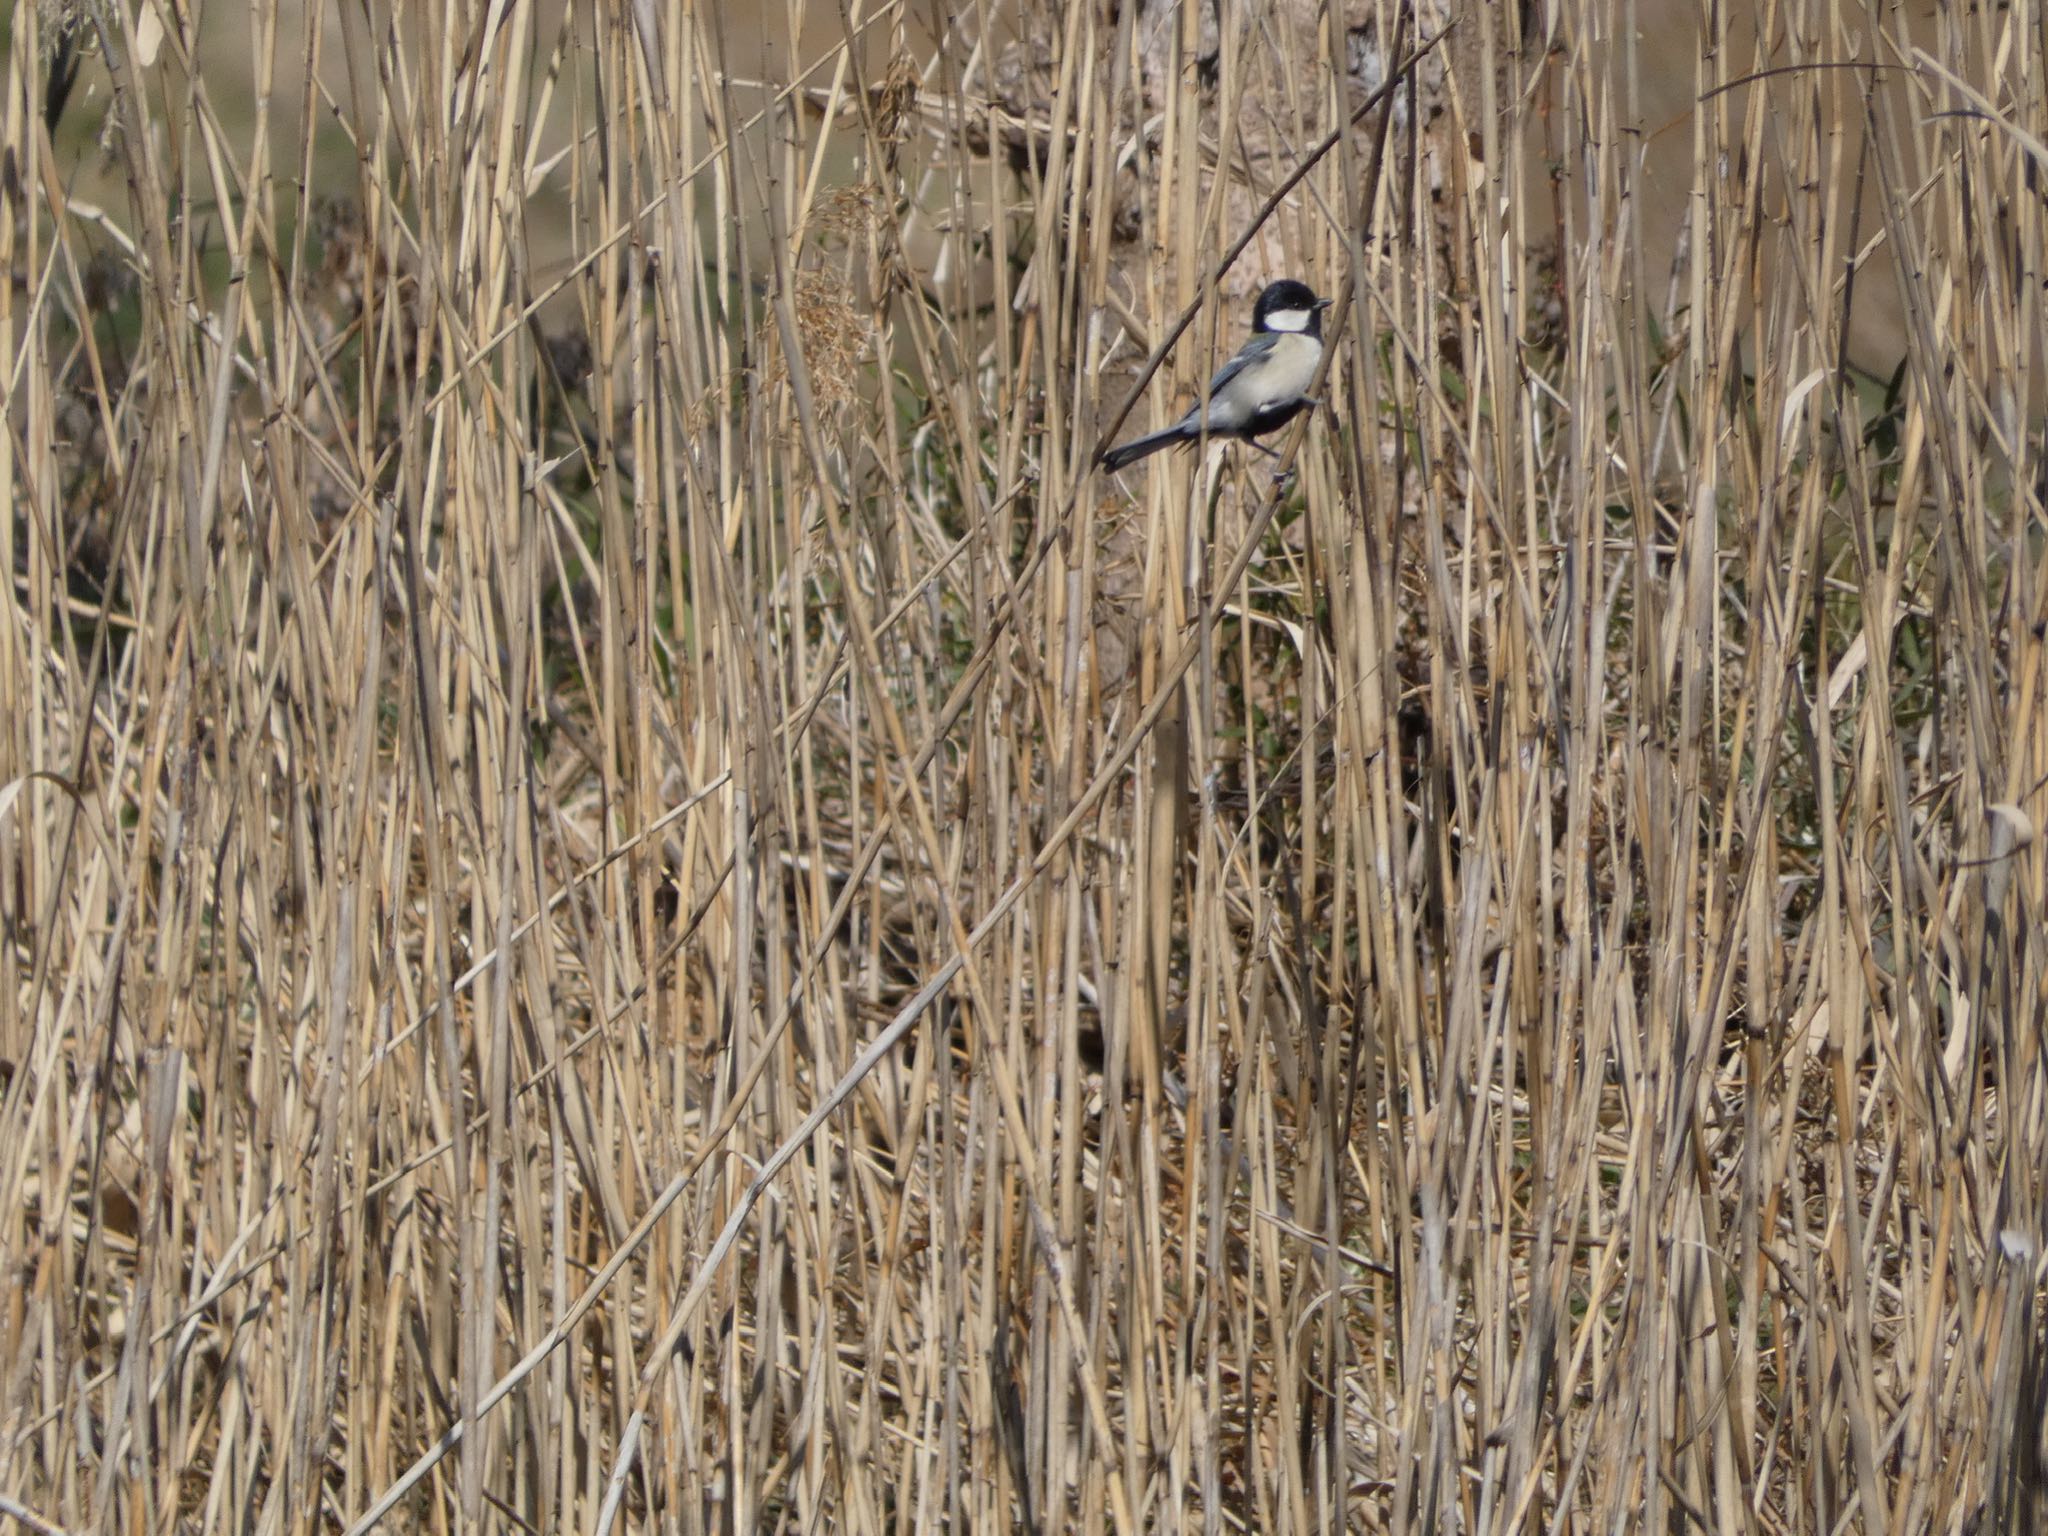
(637,902)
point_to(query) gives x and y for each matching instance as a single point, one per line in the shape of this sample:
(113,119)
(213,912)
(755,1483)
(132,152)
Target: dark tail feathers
(1140,448)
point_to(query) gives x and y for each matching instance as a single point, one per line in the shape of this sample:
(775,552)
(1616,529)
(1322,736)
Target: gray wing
(1252,353)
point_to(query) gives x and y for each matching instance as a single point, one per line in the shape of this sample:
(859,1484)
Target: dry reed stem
(641,902)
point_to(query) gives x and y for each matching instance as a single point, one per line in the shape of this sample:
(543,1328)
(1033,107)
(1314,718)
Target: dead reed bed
(638,902)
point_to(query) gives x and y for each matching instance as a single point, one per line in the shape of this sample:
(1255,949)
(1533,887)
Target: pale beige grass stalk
(640,902)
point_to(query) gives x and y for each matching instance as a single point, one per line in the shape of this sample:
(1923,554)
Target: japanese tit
(1260,389)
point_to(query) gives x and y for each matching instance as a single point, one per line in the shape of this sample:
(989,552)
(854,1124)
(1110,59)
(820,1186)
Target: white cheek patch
(1288,320)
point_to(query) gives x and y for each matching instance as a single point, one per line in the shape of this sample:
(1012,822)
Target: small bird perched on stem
(1260,389)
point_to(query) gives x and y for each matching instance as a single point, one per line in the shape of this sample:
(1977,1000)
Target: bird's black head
(1289,306)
